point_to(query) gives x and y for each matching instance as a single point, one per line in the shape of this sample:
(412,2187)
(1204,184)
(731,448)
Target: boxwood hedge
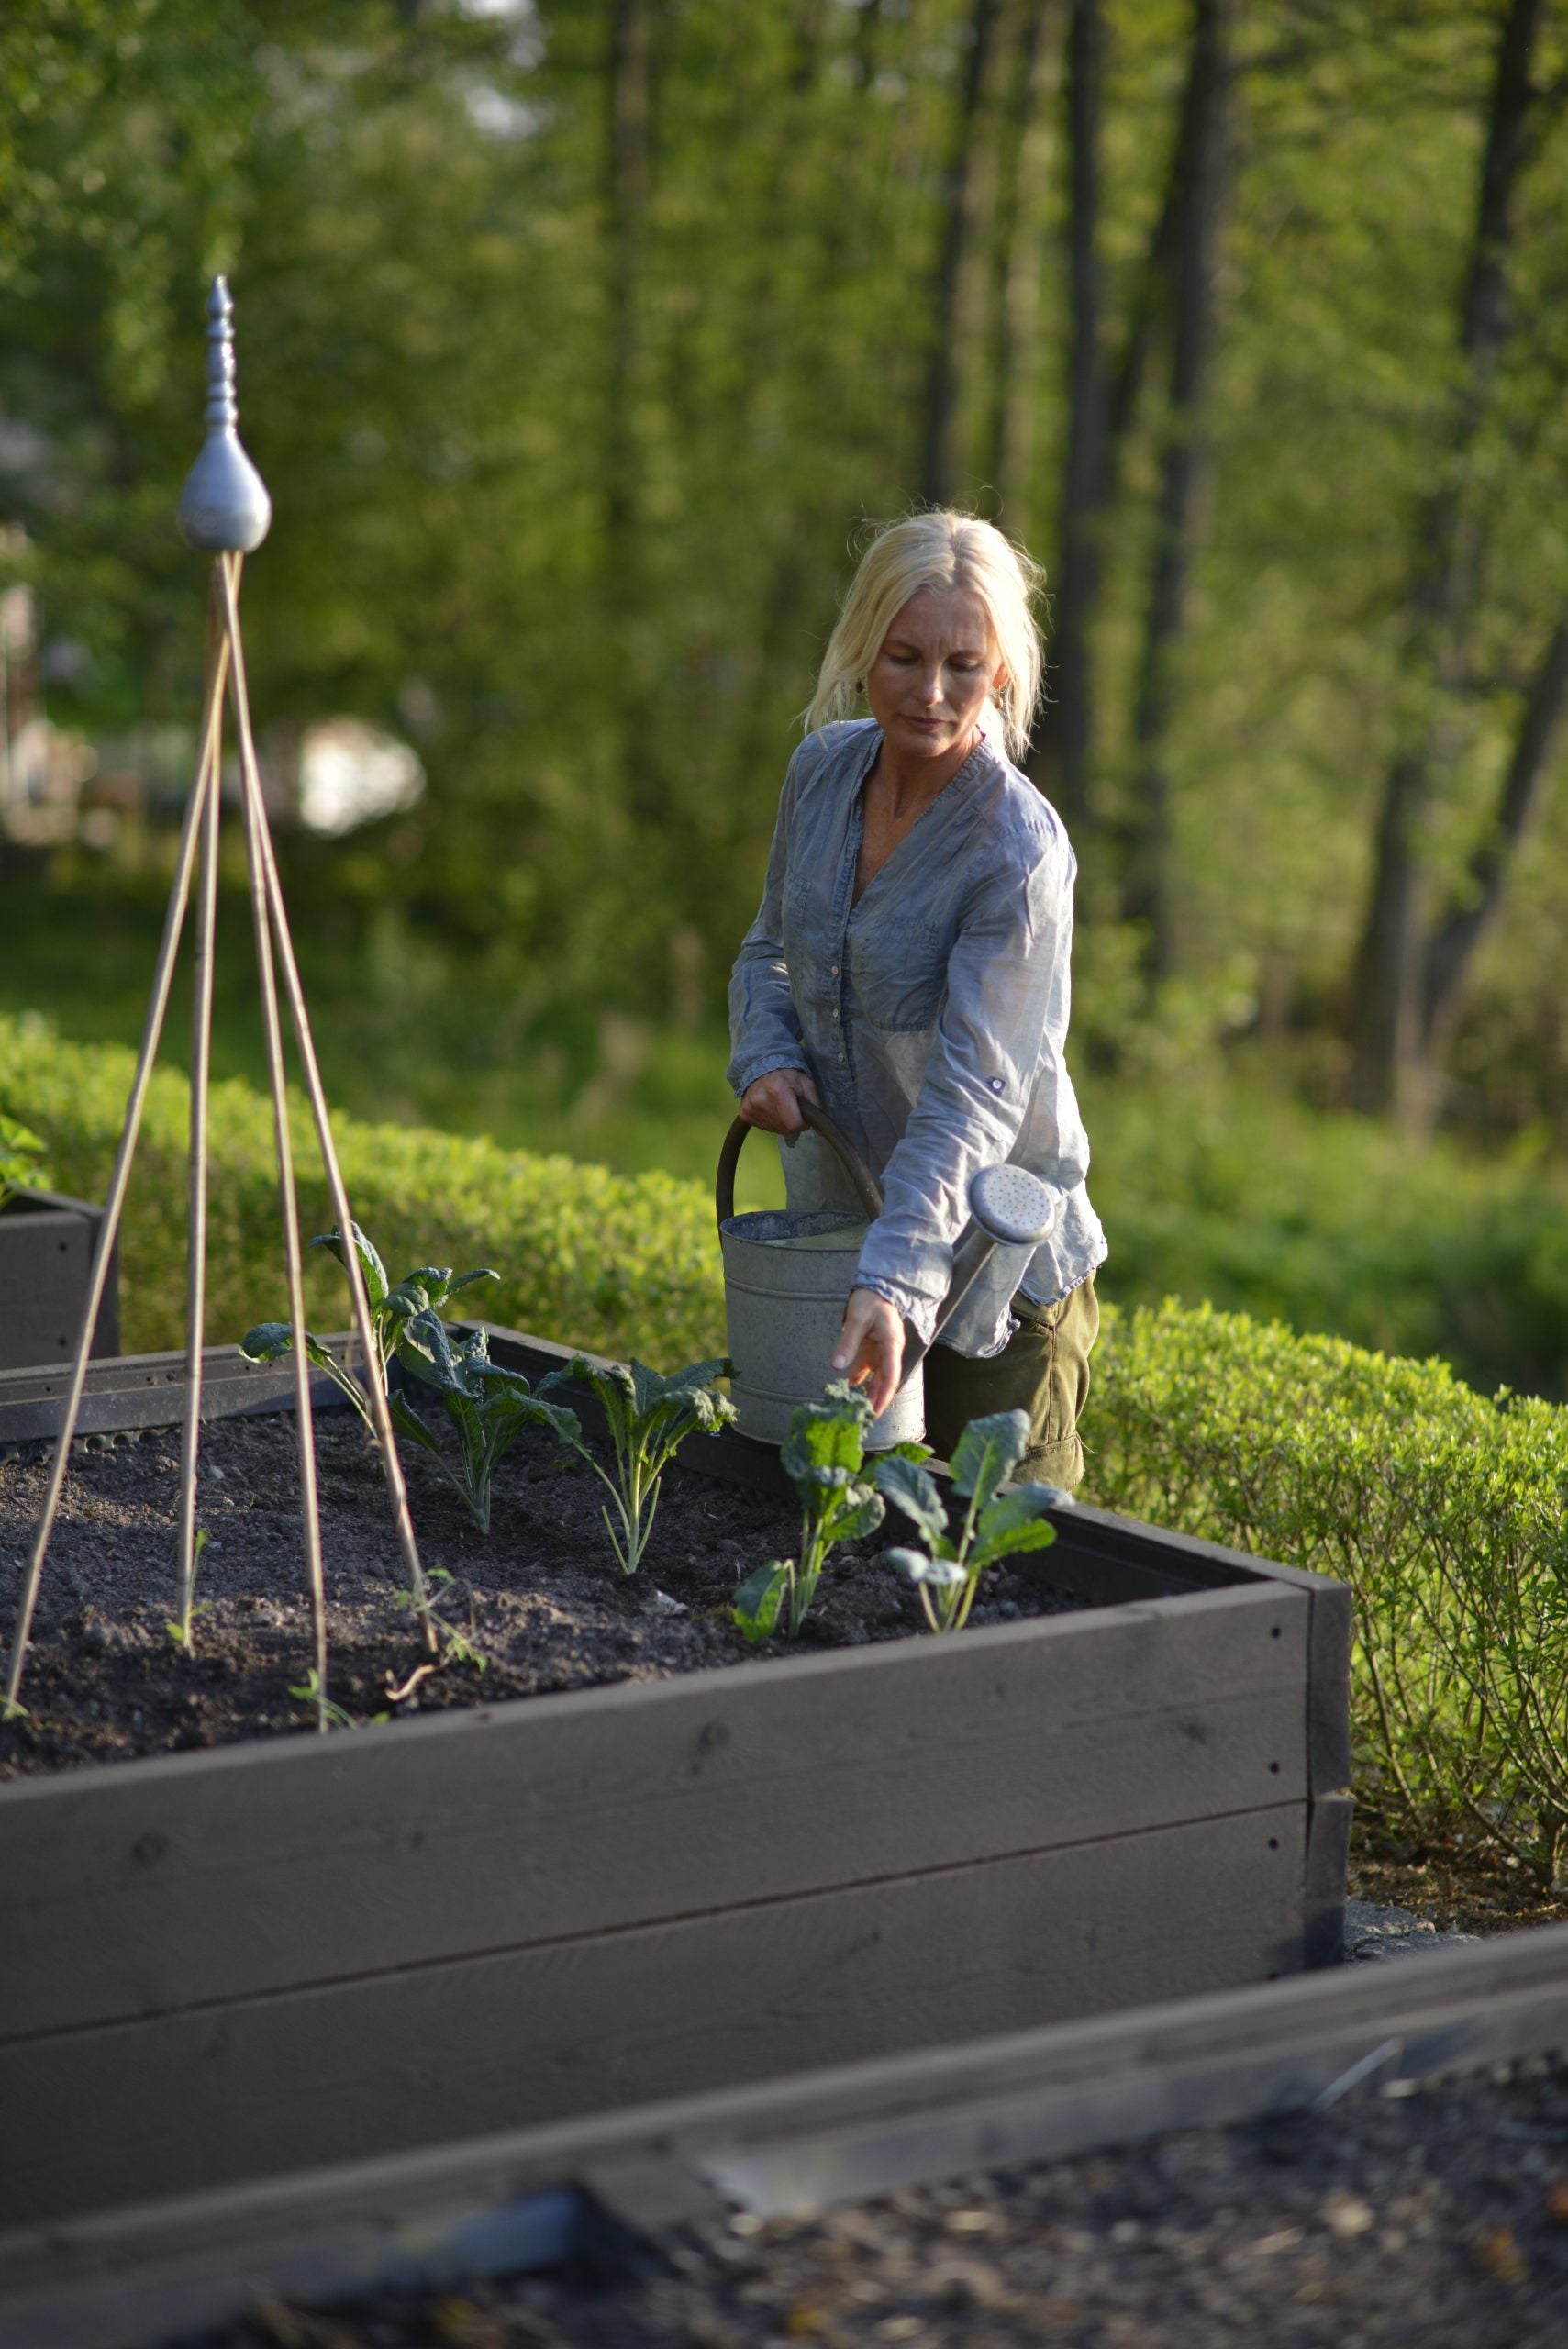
(608,1262)
(1443,1511)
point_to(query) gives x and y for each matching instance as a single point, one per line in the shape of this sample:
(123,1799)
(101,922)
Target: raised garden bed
(46,1263)
(222,1963)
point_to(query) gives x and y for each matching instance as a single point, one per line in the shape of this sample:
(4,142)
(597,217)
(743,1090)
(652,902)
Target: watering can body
(787,1276)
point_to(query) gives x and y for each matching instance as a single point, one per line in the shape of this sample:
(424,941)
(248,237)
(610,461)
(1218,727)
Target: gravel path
(1431,2215)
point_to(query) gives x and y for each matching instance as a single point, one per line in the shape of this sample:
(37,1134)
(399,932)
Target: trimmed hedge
(608,1262)
(1444,1511)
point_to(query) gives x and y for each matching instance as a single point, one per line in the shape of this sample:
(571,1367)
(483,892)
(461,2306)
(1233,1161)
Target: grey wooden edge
(794,2146)
(79,1220)
(136,1391)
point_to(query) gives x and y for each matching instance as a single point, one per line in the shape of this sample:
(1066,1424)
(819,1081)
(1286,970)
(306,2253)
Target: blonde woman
(909,970)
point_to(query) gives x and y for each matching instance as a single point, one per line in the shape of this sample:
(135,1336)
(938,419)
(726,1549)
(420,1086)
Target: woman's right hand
(773,1101)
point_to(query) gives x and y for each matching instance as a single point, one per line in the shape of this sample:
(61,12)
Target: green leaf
(372,1271)
(1009,1541)
(937,1574)
(267,1340)
(466,1280)
(987,1453)
(759,1599)
(408,1422)
(822,1438)
(905,1484)
(865,1511)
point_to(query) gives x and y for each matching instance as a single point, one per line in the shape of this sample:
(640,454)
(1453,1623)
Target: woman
(909,970)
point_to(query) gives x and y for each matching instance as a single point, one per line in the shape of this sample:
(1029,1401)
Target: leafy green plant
(996,1525)
(488,1406)
(310,1691)
(393,1306)
(180,1632)
(21,1159)
(824,1457)
(457,1645)
(648,1418)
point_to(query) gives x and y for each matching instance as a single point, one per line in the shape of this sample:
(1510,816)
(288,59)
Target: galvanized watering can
(787,1276)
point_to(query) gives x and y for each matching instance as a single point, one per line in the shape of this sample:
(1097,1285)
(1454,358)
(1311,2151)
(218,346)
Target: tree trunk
(1390,1032)
(1199,187)
(1014,273)
(1069,743)
(1452,947)
(939,458)
(625,217)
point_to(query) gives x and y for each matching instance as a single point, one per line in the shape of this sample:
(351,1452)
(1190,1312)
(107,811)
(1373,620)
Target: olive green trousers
(1043,1369)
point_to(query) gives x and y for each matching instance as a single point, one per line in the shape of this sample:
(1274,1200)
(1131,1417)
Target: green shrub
(1443,1511)
(613,1264)
(1230,1192)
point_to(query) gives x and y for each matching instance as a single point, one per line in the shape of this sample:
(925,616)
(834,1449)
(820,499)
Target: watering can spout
(1008,1208)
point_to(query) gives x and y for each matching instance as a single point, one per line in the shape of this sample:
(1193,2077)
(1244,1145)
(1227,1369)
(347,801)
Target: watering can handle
(817,1117)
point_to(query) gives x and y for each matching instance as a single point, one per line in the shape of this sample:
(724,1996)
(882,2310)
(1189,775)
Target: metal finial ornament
(224,506)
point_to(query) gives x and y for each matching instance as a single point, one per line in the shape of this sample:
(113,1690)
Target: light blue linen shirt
(932,1015)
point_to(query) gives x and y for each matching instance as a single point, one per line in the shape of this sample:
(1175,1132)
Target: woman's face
(929,682)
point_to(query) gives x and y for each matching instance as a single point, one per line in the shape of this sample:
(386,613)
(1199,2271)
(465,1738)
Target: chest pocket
(900,973)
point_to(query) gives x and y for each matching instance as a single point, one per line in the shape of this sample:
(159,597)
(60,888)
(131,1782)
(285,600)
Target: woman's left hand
(871,1346)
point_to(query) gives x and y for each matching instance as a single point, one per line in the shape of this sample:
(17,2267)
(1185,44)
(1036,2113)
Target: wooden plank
(1323,1897)
(143,1886)
(131,2109)
(46,1262)
(147,1390)
(1329,1761)
(120,2279)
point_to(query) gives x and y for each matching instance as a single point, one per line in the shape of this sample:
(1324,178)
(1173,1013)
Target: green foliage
(488,1406)
(1445,1512)
(1216,1185)
(613,1264)
(996,1525)
(648,1418)
(183,1630)
(391,1308)
(824,1457)
(21,1160)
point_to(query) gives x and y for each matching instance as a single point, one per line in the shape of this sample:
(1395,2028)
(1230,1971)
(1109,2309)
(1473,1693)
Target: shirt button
(998,1085)
(833,970)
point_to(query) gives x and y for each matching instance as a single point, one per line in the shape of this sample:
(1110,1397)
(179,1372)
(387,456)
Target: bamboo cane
(201,1059)
(375,1390)
(109,1230)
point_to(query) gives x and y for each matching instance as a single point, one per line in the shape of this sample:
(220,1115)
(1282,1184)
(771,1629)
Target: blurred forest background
(574,338)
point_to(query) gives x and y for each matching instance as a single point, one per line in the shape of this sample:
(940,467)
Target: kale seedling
(823,1456)
(649,1418)
(488,1406)
(995,1524)
(392,1307)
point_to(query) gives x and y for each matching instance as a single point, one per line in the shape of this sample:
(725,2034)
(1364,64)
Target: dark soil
(1427,2214)
(540,1601)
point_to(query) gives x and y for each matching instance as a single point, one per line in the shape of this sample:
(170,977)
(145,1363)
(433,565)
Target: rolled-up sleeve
(764,1026)
(998,1057)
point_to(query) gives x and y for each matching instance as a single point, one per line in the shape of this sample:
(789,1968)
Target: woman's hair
(941,549)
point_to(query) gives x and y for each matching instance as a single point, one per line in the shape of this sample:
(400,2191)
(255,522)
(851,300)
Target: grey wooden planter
(224,1964)
(46,1262)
